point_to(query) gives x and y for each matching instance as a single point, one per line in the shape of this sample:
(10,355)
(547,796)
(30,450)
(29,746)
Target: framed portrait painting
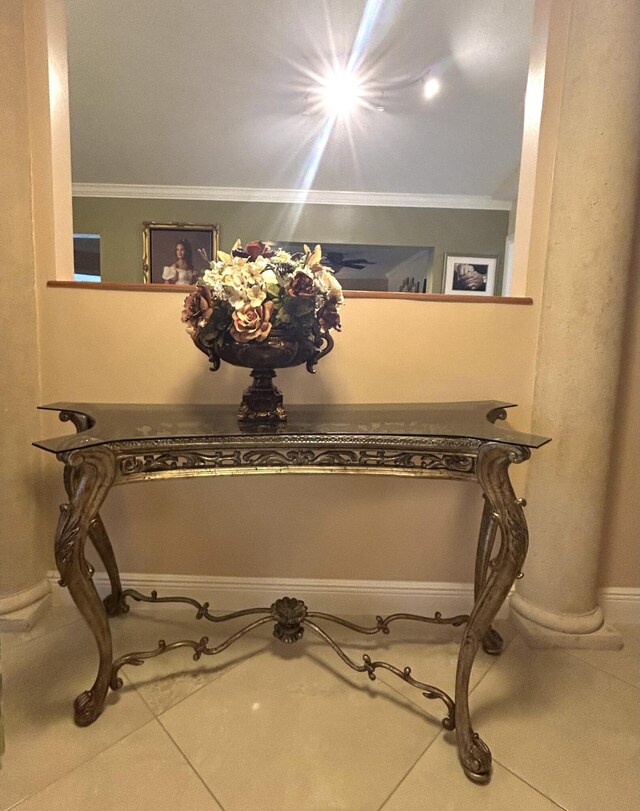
(177,252)
(470,275)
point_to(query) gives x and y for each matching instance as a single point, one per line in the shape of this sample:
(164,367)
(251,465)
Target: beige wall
(131,347)
(119,223)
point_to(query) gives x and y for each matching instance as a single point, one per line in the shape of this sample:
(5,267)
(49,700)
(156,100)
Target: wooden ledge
(375,294)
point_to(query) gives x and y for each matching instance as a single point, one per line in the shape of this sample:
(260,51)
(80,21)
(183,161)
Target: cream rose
(252,323)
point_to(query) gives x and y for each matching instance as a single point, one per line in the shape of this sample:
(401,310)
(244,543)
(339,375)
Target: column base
(24,618)
(21,611)
(539,632)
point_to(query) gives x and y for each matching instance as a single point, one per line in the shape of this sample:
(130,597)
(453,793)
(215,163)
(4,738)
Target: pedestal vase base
(262,401)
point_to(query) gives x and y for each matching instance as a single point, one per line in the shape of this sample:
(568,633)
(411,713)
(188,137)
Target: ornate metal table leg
(492,642)
(492,470)
(89,483)
(114,602)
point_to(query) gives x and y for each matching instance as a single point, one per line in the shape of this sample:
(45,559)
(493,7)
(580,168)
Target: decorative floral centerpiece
(264,309)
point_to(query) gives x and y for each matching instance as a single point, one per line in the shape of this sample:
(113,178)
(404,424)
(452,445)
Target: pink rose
(300,285)
(252,251)
(328,316)
(256,249)
(197,309)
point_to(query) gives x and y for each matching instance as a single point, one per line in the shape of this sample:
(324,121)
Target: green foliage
(296,313)
(219,321)
(282,318)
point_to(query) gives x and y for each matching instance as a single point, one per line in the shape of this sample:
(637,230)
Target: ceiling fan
(338,262)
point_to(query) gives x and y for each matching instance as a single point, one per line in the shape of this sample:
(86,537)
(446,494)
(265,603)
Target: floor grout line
(411,768)
(490,668)
(600,670)
(262,651)
(408,772)
(79,765)
(223,671)
(18,644)
(527,783)
(383,679)
(197,690)
(191,766)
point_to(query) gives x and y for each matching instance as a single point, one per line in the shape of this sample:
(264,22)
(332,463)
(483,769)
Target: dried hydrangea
(259,288)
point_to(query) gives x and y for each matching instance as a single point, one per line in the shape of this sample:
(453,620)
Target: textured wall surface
(131,347)
(620,565)
(21,544)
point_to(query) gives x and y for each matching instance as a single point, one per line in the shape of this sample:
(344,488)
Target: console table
(118,444)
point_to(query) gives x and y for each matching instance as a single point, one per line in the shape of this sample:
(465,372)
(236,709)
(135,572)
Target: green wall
(119,223)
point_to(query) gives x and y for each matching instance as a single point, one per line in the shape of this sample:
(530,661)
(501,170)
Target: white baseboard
(348,597)
(342,597)
(621,605)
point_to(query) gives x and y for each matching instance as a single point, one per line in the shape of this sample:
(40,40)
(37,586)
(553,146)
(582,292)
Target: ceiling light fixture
(431,87)
(340,92)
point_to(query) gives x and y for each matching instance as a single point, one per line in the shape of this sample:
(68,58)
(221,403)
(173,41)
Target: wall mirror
(389,130)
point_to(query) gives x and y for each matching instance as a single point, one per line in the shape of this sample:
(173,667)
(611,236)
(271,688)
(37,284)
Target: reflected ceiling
(214,93)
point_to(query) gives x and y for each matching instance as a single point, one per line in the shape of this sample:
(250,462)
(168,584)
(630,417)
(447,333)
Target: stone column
(591,223)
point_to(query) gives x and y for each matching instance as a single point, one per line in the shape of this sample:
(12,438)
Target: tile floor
(267,726)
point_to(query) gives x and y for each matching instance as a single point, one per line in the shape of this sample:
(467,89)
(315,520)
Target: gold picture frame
(163,262)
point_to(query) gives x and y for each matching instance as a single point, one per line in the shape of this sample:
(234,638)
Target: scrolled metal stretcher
(118,444)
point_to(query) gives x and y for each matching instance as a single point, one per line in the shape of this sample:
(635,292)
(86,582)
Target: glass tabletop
(115,422)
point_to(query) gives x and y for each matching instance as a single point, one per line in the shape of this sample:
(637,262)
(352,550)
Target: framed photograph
(470,275)
(177,252)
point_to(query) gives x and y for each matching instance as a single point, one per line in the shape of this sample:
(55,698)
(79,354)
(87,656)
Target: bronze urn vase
(264,309)
(262,401)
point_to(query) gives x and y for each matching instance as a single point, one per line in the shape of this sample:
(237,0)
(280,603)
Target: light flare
(346,82)
(431,87)
(341,91)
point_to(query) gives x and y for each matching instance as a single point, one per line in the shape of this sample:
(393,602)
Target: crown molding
(315,196)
